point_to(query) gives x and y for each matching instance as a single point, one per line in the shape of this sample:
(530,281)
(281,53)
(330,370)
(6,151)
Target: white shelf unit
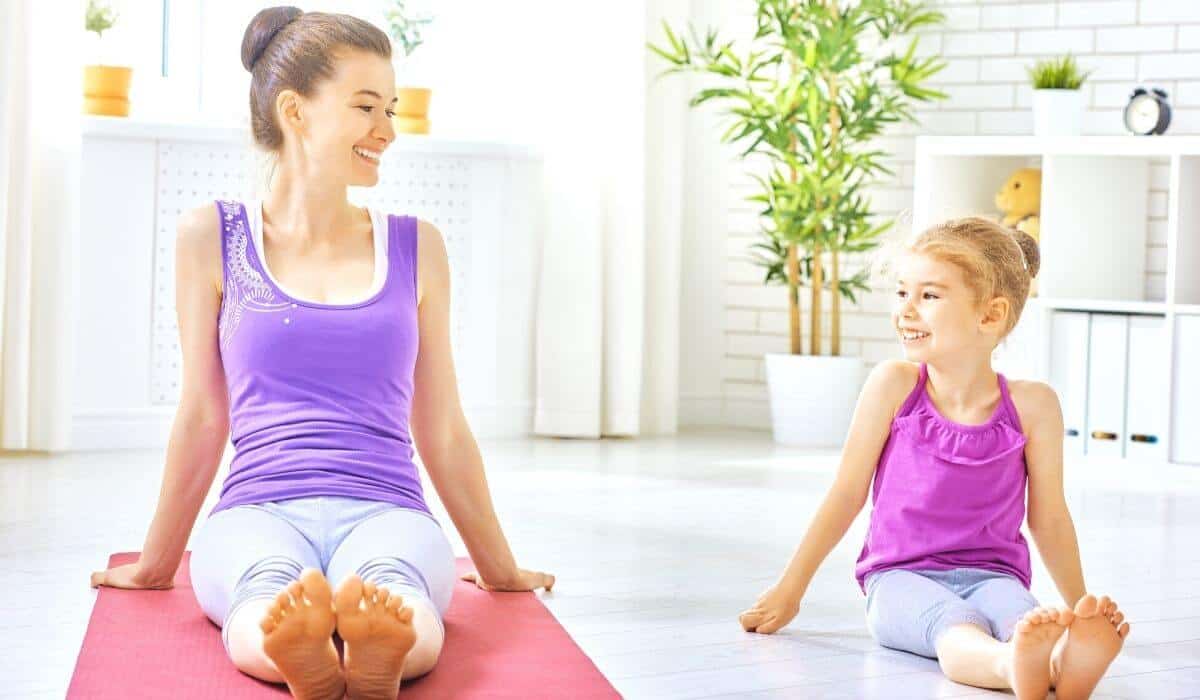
(1094,227)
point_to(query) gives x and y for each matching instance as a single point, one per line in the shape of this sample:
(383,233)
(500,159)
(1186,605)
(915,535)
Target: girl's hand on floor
(524,581)
(772,611)
(127,576)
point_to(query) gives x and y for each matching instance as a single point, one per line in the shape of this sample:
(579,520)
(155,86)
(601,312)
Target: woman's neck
(307,212)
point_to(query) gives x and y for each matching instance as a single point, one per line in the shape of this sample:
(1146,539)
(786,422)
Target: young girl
(951,447)
(314,329)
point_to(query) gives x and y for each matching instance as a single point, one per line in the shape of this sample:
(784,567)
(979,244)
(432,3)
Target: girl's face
(935,313)
(346,125)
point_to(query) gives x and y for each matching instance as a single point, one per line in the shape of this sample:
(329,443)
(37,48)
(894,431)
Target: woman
(300,319)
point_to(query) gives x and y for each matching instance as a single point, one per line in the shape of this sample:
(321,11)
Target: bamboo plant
(820,80)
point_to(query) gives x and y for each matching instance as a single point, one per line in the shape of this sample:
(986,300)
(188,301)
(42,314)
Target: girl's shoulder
(891,382)
(1036,402)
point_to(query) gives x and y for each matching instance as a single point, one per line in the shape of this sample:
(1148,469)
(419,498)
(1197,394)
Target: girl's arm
(886,388)
(443,438)
(1049,519)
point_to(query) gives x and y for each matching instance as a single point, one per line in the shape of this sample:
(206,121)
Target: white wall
(987,45)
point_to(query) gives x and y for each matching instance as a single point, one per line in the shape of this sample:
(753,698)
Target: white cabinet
(1069,374)
(1186,424)
(1106,384)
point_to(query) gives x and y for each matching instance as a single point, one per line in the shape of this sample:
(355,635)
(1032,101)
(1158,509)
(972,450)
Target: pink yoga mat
(159,644)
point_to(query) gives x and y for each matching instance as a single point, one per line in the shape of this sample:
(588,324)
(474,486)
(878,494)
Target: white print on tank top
(379,227)
(247,290)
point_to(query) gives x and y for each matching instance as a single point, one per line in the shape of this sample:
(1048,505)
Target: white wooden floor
(657,544)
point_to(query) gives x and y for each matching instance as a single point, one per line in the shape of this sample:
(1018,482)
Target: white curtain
(608,295)
(40,97)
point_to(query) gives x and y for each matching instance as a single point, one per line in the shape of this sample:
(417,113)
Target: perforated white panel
(189,174)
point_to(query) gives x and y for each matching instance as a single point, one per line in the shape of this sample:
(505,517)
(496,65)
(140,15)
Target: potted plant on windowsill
(412,105)
(105,87)
(819,82)
(1057,97)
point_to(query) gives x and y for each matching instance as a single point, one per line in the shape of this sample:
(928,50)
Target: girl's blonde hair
(996,261)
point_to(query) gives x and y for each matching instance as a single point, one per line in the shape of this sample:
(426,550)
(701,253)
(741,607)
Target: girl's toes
(295,590)
(1118,619)
(369,591)
(405,615)
(267,625)
(382,595)
(1123,630)
(393,604)
(284,600)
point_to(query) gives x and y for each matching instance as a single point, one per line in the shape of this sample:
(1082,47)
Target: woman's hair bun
(262,29)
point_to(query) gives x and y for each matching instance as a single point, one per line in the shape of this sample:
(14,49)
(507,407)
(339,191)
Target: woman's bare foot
(1092,642)
(298,637)
(1032,642)
(378,633)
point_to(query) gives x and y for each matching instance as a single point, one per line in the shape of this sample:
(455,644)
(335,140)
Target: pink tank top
(948,495)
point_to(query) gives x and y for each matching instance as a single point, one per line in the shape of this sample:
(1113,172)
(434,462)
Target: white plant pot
(1057,112)
(813,397)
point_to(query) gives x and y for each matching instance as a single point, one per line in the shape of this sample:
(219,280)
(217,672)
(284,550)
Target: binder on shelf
(1185,431)
(1107,352)
(1148,386)
(1069,375)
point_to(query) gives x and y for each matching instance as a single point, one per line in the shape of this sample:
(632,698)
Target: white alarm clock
(1148,112)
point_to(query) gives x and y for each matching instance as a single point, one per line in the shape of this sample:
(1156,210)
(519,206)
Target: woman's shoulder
(198,241)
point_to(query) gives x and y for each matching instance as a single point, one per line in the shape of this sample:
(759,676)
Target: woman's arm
(886,388)
(1049,519)
(201,426)
(443,438)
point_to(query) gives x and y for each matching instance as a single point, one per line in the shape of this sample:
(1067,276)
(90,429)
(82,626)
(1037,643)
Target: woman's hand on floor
(524,581)
(772,611)
(127,576)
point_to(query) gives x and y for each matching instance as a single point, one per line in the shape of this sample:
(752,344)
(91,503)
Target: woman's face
(347,122)
(935,313)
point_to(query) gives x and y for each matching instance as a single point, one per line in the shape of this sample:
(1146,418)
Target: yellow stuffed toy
(1021,201)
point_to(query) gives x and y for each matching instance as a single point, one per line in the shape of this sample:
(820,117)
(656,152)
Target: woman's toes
(284,600)
(1123,630)
(268,624)
(393,603)
(405,615)
(368,592)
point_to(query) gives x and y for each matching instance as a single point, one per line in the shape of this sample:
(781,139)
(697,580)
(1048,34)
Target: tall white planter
(813,397)
(1057,112)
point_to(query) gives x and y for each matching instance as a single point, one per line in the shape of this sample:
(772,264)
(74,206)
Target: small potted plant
(1057,97)
(412,105)
(105,87)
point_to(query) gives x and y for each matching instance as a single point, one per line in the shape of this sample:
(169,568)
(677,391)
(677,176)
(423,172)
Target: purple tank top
(949,495)
(319,394)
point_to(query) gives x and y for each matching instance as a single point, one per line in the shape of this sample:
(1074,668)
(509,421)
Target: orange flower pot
(106,90)
(412,110)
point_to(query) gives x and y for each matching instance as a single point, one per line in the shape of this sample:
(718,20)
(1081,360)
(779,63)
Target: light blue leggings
(255,551)
(909,610)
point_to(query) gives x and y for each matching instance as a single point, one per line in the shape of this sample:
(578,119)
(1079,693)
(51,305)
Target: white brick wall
(988,44)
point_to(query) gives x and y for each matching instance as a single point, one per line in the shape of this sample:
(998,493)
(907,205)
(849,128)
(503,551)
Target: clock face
(1141,116)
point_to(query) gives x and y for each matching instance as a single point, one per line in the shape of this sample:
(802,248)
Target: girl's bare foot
(1092,642)
(378,631)
(1032,642)
(298,637)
